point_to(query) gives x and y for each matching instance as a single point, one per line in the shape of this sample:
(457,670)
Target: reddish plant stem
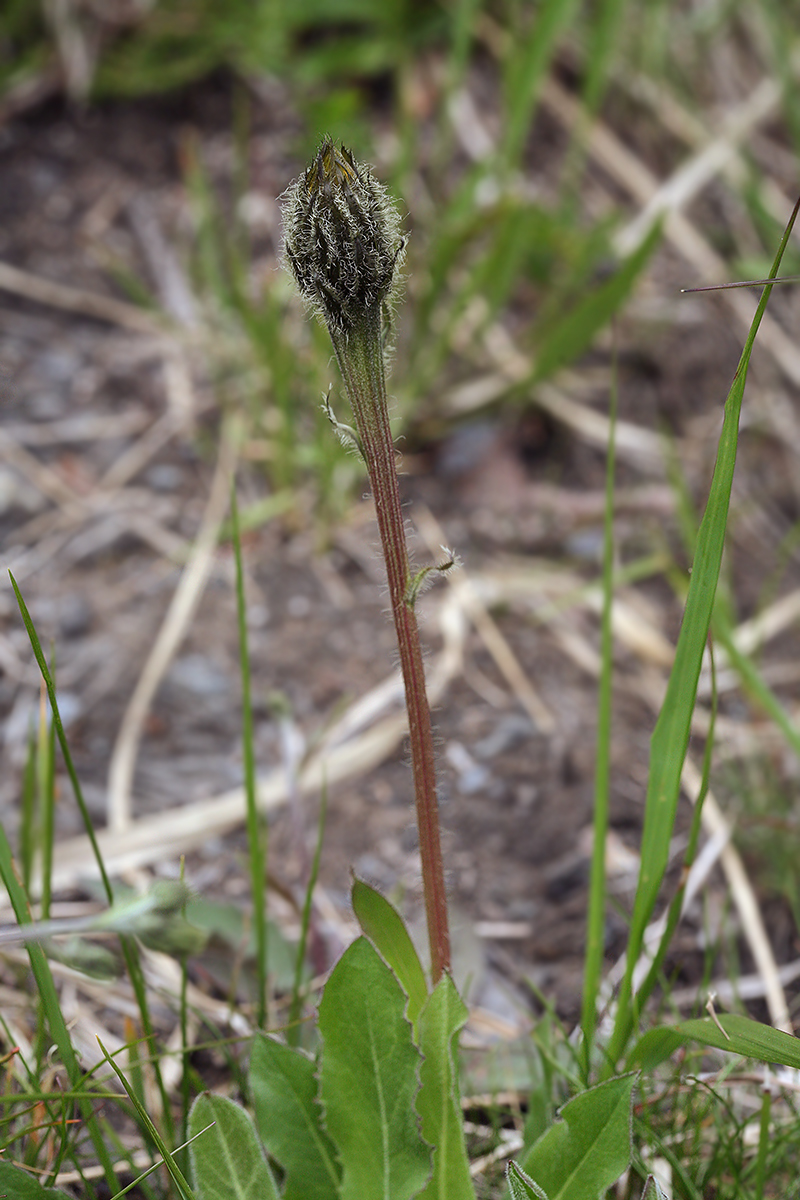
(360,358)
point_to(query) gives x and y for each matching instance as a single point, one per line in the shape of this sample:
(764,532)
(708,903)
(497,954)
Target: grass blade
(46,989)
(671,735)
(49,683)
(595,931)
(175,1172)
(256,825)
(128,947)
(293,1035)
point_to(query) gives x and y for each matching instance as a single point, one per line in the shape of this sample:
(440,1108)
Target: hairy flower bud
(342,239)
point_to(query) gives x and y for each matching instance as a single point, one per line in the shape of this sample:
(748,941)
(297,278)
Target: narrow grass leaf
(676,905)
(604,41)
(150,1129)
(577,330)
(370,1079)
(19,1185)
(671,735)
(257,845)
(525,69)
(596,916)
(227,1161)
(48,996)
(385,928)
(284,1086)
(438,1103)
(128,947)
(293,1033)
(586,1151)
(754,682)
(49,683)
(740,1035)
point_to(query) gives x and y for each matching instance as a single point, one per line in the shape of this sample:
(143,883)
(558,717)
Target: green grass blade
(256,825)
(62,740)
(128,947)
(462,22)
(525,70)
(671,735)
(46,772)
(675,908)
(603,41)
(28,833)
(741,1035)
(596,919)
(293,1035)
(146,1122)
(754,683)
(576,331)
(46,990)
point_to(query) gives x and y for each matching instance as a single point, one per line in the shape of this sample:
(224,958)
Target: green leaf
(576,331)
(670,738)
(748,1038)
(653,1189)
(521,1186)
(227,1161)
(19,1185)
(653,1048)
(369,1079)
(585,1152)
(289,1120)
(385,928)
(440,1021)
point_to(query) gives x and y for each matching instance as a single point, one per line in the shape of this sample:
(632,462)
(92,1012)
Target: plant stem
(360,356)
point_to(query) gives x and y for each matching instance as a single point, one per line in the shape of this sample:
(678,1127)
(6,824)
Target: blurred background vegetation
(513,225)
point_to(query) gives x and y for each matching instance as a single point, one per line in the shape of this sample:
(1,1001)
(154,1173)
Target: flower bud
(342,239)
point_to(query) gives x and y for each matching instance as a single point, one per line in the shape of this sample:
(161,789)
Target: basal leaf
(385,928)
(227,1161)
(521,1186)
(19,1185)
(289,1120)
(440,1021)
(370,1079)
(586,1151)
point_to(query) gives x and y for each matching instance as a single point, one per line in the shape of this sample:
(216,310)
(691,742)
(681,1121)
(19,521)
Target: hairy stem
(360,357)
